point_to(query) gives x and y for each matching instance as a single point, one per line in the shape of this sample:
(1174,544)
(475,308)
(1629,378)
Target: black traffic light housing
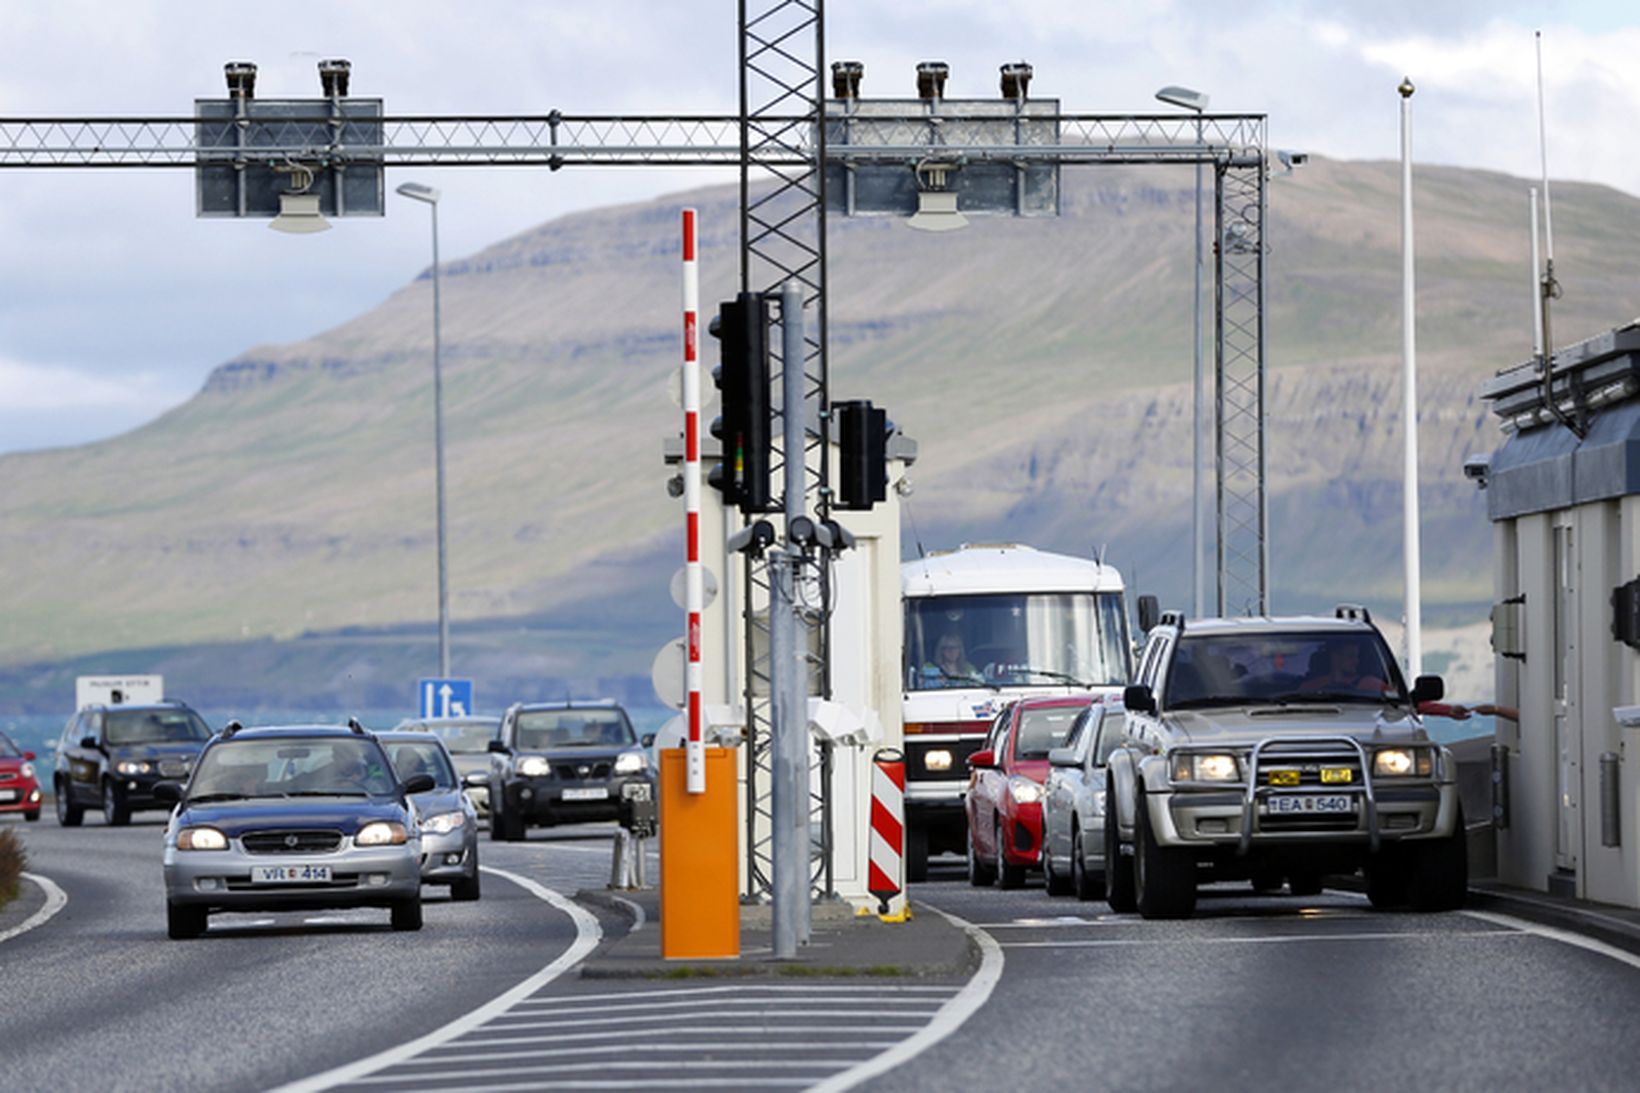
(862,441)
(742,429)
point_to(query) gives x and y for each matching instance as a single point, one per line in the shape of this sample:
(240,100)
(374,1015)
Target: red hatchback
(1005,779)
(19,792)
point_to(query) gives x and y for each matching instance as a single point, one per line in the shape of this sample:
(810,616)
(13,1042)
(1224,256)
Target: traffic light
(742,429)
(862,441)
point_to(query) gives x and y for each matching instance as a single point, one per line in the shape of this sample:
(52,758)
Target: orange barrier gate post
(700,859)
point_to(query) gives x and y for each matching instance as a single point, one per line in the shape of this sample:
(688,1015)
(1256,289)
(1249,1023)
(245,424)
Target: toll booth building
(1563,494)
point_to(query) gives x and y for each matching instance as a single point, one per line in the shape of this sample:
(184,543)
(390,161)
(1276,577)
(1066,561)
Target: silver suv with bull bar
(1279,750)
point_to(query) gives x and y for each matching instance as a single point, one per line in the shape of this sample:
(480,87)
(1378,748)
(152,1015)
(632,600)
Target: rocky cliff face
(1043,366)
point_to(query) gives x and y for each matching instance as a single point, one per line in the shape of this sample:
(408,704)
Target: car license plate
(1301,804)
(8,795)
(290,874)
(594,793)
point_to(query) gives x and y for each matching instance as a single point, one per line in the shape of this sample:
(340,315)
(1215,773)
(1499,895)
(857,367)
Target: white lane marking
(638,1004)
(1565,937)
(475,1049)
(650,1019)
(872,991)
(638,917)
(56,900)
(1176,942)
(830,1057)
(950,1017)
(587,934)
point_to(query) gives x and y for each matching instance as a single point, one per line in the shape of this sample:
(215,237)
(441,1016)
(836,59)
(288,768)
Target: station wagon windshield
(1015,639)
(539,730)
(279,767)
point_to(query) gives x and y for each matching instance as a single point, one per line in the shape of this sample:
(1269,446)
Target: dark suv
(565,762)
(111,756)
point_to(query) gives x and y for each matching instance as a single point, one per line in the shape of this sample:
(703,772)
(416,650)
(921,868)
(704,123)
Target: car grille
(7,776)
(572,771)
(173,768)
(290,842)
(337,880)
(1276,773)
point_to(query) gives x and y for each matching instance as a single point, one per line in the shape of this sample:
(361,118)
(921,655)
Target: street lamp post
(429,196)
(1197,101)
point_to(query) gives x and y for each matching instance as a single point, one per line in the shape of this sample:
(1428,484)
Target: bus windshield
(1016,640)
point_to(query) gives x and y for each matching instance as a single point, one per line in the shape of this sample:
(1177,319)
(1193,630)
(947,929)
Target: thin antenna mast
(1550,287)
(1537,310)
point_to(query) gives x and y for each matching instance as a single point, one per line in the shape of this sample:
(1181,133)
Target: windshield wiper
(1061,676)
(1209,700)
(207,798)
(325,793)
(1300,698)
(975,680)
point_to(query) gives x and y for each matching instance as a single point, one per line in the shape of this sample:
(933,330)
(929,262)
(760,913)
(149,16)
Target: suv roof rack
(1174,619)
(1352,611)
(358,729)
(230,728)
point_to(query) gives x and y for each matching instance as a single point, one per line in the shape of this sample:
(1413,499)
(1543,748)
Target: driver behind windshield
(950,666)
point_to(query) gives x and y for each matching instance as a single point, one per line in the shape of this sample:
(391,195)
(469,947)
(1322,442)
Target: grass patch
(12,861)
(878,971)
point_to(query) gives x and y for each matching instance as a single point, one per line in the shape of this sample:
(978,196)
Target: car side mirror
(1062,757)
(28,755)
(647,739)
(417,783)
(170,792)
(1428,689)
(1150,613)
(983,759)
(498,747)
(88,741)
(1136,696)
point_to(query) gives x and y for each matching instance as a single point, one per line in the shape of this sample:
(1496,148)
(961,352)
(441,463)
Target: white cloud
(29,388)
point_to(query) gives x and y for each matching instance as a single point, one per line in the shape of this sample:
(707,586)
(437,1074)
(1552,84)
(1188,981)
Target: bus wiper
(1061,676)
(975,680)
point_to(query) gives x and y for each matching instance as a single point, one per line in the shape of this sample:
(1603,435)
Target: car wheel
(465,890)
(1266,881)
(1439,873)
(114,807)
(1118,870)
(407,913)
(1082,881)
(980,875)
(1164,878)
(69,814)
(1305,882)
(1387,880)
(1009,875)
(512,827)
(916,856)
(183,921)
(32,817)
(1058,884)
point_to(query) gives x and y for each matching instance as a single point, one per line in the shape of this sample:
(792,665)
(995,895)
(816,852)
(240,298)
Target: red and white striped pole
(887,827)
(695,748)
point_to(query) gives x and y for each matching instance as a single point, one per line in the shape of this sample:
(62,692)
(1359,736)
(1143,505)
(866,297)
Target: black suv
(565,762)
(111,756)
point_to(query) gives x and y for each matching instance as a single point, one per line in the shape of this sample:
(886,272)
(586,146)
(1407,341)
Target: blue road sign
(446,697)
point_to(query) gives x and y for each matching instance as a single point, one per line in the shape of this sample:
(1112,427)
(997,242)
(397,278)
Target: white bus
(984,625)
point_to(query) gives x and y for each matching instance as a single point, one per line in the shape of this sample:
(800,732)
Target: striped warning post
(887,826)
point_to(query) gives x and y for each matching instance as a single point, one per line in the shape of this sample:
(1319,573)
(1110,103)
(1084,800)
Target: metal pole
(438,449)
(1197,530)
(694,584)
(1409,405)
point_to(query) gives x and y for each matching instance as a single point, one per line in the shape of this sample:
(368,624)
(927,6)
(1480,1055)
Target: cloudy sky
(115,302)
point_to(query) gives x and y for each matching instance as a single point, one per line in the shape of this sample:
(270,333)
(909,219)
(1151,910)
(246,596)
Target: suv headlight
(534,766)
(1024,791)
(1206,767)
(201,838)
(381,833)
(1402,763)
(133,766)
(444,823)
(631,762)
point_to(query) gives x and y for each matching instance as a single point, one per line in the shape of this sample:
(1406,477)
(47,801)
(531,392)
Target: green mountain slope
(1043,367)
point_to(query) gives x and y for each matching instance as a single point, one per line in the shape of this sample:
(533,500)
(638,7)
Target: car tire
(1083,883)
(1164,878)
(916,856)
(466,889)
(1386,875)
(115,810)
(1009,875)
(69,814)
(1266,882)
(1305,882)
(512,827)
(32,817)
(1118,870)
(184,921)
(1439,874)
(406,914)
(980,875)
(1057,883)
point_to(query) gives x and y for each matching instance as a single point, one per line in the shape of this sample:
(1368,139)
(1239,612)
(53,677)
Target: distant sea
(39,732)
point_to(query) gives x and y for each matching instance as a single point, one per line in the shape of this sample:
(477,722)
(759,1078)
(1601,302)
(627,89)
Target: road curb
(1603,925)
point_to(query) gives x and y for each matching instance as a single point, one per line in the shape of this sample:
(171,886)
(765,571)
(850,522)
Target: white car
(1073,805)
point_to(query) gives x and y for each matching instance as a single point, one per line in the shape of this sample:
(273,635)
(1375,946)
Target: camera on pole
(862,441)
(742,377)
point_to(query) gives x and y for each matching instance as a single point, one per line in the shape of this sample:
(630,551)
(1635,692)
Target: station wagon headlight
(1401,763)
(1205,767)
(630,762)
(1024,791)
(534,766)
(133,766)
(937,759)
(444,823)
(381,833)
(201,838)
